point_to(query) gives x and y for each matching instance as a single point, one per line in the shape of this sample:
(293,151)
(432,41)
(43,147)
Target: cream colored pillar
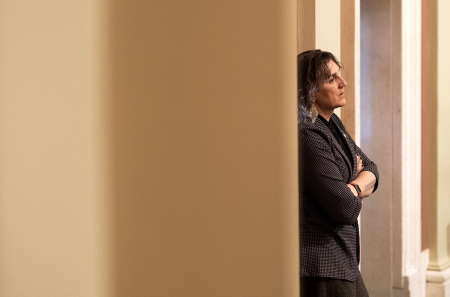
(148,148)
(438,275)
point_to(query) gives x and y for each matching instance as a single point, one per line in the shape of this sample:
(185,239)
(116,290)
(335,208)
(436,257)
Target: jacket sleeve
(369,165)
(322,179)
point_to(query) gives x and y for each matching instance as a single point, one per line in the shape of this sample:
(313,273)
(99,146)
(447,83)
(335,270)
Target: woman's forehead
(333,67)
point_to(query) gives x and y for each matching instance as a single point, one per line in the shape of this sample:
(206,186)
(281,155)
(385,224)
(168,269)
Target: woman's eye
(331,79)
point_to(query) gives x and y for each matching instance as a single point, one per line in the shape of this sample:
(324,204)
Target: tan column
(204,148)
(350,42)
(306,26)
(53,204)
(429,120)
(148,148)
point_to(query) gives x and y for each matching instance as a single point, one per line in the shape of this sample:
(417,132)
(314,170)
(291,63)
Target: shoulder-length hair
(312,72)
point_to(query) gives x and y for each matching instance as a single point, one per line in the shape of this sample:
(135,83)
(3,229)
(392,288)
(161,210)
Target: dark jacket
(329,232)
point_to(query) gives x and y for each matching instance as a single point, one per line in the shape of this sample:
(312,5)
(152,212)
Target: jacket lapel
(330,136)
(349,144)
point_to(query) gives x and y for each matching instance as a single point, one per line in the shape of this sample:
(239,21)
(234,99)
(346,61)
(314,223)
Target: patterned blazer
(329,232)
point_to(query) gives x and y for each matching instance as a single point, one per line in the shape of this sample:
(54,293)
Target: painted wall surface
(328,26)
(148,148)
(52,209)
(443,142)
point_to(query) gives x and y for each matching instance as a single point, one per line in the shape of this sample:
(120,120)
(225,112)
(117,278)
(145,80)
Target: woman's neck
(326,116)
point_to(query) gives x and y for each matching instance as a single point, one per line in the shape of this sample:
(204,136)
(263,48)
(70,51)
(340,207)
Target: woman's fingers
(359,164)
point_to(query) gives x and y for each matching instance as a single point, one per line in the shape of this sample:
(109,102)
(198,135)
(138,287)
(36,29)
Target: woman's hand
(352,188)
(359,165)
(365,180)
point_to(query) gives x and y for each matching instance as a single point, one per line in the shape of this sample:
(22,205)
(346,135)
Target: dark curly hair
(312,72)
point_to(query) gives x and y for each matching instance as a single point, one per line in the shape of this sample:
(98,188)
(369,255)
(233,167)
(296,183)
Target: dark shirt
(338,137)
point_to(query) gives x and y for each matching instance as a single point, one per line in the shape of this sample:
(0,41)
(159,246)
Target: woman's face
(331,93)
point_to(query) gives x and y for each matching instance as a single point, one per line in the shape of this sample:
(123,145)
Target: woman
(336,177)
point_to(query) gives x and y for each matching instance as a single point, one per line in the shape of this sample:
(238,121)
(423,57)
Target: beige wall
(436,145)
(52,208)
(328,26)
(440,254)
(148,149)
